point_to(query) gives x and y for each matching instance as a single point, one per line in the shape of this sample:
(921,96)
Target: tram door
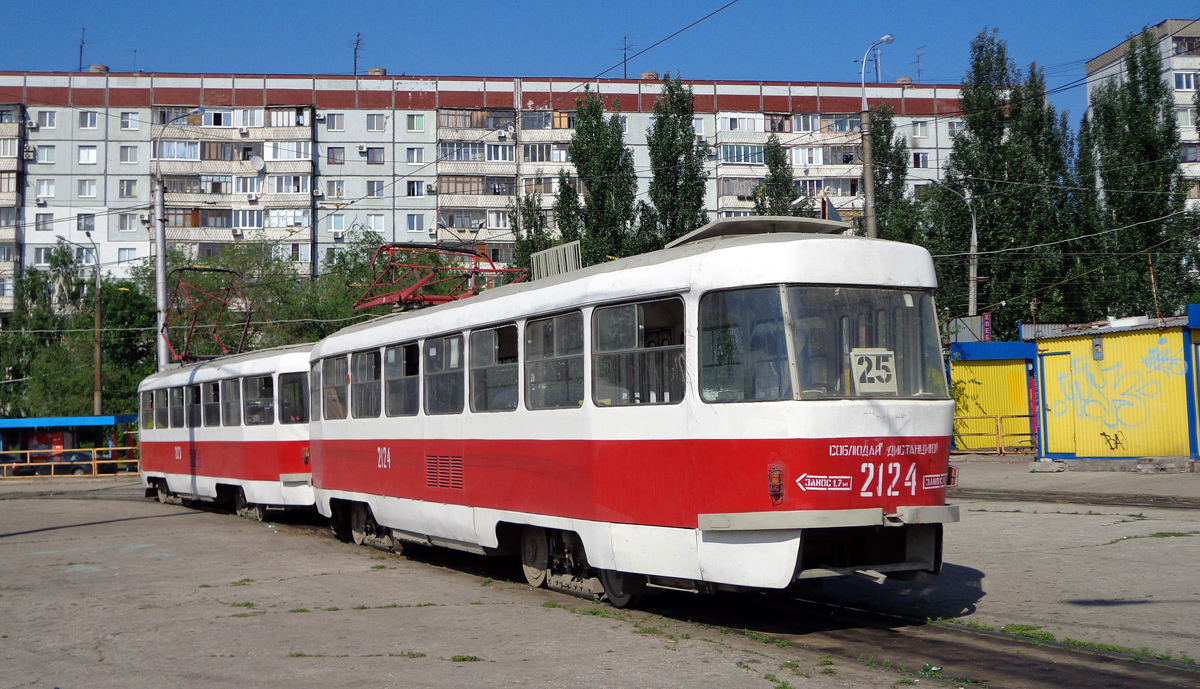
(1058,405)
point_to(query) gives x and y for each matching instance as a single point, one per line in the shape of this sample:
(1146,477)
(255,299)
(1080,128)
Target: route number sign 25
(874,370)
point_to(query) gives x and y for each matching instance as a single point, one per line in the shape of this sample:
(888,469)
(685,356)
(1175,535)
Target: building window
(46,119)
(844,155)
(129,121)
(176,150)
(45,188)
(1185,81)
(248,117)
(288,217)
(87,188)
(807,155)
(336,188)
(463,218)
(376,123)
(1189,153)
(126,255)
(536,153)
(247,218)
(741,187)
(375,222)
(85,256)
(127,222)
(955,126)
(212,252)
(88,119)
(375,156)
(779,123)
(41,255)
(288,184)
(216,217)
(247,185)
(127,188)
(337,223)
(416,123)
(85,222)
(416,222)
(920,129)
(737,153)
(289,117)
(375,188)
(288,150)
(129,154)
(497,220)
(8,218)
(841,123)
(45,154)
(500,153)
(335,122)
(218,118)
(416,188)
(216,150)
(87,155)
(8,147)
(564,119)
(458,151)
(919,191)
(807,122)
(336,155)
(1185,117)
(43,222)
(841,186)
(8,182)
(920,160)
(415,156)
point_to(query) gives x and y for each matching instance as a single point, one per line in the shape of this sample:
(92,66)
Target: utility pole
(82,33)
(357,44)
(625,46)
(868,159)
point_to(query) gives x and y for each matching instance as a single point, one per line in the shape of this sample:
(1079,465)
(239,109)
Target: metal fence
(80,462)
(1003,441)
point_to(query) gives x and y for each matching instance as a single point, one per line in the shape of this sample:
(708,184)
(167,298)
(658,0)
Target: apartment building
(1179,46)
(298,161)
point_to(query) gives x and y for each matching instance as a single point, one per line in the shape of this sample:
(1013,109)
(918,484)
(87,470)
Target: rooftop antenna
(82,33)
(919,64)
(357,44)
(135,68)
(877,59)
(625,46)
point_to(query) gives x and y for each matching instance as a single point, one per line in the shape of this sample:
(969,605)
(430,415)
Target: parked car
(77,463)
(12,464)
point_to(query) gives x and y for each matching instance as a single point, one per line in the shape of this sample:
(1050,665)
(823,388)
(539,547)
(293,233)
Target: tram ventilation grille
(443,471)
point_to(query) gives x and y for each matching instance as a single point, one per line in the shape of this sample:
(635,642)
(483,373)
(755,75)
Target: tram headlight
(775,485)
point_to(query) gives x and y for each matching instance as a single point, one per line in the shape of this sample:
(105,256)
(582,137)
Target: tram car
(231,430)
(759,404)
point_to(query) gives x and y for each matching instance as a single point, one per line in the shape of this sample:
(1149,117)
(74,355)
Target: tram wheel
(245,509)
(163,493)
(358,523)
(535,555)
(621,589)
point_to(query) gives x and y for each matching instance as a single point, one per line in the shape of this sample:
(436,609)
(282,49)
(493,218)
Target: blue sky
(753,39)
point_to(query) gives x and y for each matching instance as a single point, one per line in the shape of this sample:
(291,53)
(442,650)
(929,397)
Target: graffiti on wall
(1115,395)
(1163,359)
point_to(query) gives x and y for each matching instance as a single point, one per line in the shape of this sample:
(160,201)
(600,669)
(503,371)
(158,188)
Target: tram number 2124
(884,479)
(383,457)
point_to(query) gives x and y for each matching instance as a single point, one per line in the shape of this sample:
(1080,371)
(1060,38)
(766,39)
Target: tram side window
(554,362)
(231,402)
(743,347)
(293,398)
(639,353)
(364,384)
(335,378)
(162,411)
(258,397)
(210,394)
(148,409)
(176,407)
(192,400)
(314,391)
(494,369)
(402,367)
(444,375)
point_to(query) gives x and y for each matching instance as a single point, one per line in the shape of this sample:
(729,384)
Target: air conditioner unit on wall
(430,188)
(251,197)
(244,131)
(337,234)
(362,148)
(320,117)
(237,232)
(318,192)
(31,124)
(29,155)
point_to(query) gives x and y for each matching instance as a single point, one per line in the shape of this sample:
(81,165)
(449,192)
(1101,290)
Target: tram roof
(233,359)
(761,224)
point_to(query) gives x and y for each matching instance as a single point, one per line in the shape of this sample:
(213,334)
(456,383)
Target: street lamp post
(868,159)
(973,270)
(97,397)
(160,244)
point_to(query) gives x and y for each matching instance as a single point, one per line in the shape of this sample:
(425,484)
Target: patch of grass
(476,602)
(764,639)
(1183,658)
(465,659)
(828,671)
(318,655)
(486,581)
(362,607)
(240,614)
(789,664)
(299,610)
(407,654)
(723,630)
(241,605)
(902,681)
(685,635)
(331,609)
(378,566)
(742,665)
(205,586)
(554,604)
(242,582)
(1173,534)
(387,606)
(647,630)
(1029,631)
(826,659)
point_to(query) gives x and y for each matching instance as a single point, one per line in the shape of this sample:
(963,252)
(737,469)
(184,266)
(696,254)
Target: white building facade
(299,161)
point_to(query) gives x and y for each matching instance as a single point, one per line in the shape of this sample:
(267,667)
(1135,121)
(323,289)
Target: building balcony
(494,201)
(8,268)
(7,304)
(480,135)
(445,167)
(11,129)
(8,235)
(11,164)
(8,199)
(530,136)
(233,134)
(226,234)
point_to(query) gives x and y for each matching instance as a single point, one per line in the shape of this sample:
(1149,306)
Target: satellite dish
(257,163)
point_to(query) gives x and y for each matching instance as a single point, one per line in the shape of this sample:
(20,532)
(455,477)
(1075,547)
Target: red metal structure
(189,303)
(402,280)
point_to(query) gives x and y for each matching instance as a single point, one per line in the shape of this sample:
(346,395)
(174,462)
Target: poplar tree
(678,179)
(606,174)
(777,192)
(896,215)
(532,233)
(1137,153)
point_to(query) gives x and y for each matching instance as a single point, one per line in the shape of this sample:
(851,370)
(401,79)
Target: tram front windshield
(819,342)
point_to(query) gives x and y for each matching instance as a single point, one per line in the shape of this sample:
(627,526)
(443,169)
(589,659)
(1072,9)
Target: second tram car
(233,429)
(734,412)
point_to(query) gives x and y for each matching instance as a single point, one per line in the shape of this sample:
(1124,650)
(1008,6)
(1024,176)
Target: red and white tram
(233,429)
(741,410)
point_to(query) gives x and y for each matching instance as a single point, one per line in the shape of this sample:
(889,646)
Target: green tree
(896,215)
(532,234)
(777,192)
(606,174)
(677,183)
(1137,151)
